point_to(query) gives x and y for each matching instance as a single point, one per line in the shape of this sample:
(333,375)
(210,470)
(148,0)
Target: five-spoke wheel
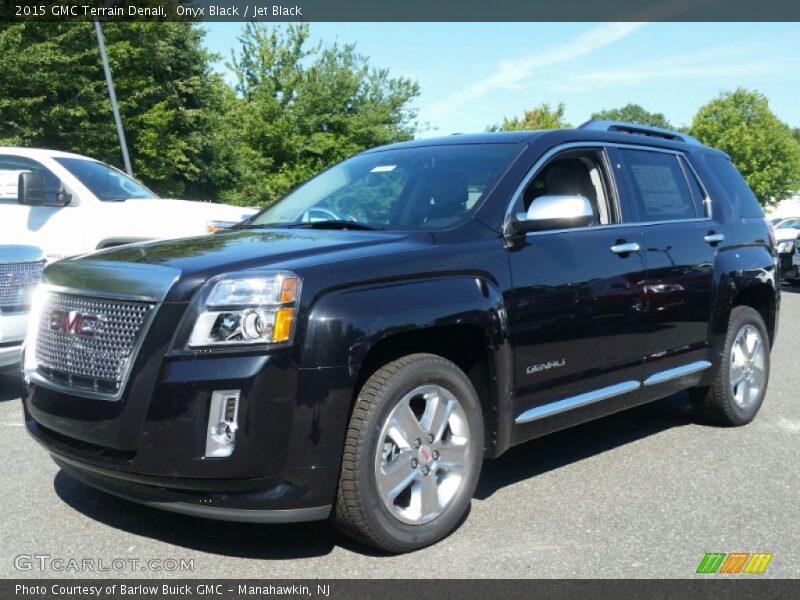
(412,454)
(423,448)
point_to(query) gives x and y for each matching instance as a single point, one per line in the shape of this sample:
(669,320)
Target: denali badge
(74,323)
(551,364)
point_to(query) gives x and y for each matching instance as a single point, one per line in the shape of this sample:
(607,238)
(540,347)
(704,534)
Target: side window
(574,173)
(735,187)
(698,195)
(10,169)
(659,190)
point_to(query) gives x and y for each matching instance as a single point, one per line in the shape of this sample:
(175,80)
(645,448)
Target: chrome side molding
(553,408)
(559,406)
(663,376)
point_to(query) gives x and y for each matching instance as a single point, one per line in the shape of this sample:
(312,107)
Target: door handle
(625,248)
(714,238)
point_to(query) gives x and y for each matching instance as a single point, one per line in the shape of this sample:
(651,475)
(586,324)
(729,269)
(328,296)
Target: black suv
(357,349)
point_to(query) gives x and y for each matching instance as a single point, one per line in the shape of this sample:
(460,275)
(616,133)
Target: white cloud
(510,74)
(716,63)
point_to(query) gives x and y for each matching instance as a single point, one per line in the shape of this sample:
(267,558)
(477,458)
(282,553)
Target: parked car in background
(20,269)
(787,238)
(357,349)
(69,204)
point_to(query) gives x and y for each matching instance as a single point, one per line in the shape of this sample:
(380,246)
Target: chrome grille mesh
(95,356)
(17,281)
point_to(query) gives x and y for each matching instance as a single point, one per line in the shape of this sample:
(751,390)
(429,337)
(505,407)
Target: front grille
(88,342)
(17,281)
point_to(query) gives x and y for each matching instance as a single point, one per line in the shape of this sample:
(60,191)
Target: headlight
(247,309)
(785,247)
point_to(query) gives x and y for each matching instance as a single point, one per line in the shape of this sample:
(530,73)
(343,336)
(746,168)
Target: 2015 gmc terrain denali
(357,349)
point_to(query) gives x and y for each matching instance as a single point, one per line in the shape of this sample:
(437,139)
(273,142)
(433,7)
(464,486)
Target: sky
(471,75)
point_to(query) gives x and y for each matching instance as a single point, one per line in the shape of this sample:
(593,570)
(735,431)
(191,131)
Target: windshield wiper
(333,224)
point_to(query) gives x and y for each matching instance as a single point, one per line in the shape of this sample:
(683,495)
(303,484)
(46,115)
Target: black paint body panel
(535,300)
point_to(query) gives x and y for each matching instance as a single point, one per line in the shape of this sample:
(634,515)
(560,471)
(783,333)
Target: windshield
(103,181)
(410,188)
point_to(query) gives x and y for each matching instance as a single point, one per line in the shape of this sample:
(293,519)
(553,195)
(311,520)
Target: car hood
(192,261)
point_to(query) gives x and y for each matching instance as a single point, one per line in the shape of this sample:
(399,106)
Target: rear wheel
(741,382)
(412,455)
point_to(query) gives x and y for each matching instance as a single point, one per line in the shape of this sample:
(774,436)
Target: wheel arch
(747,277)
(460,318)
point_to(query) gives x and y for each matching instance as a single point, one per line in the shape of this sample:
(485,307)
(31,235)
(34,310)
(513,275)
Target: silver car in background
(20,269)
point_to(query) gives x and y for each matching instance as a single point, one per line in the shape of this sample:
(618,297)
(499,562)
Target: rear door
(662,194)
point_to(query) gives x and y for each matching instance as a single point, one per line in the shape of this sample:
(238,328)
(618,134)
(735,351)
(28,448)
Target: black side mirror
(31,189)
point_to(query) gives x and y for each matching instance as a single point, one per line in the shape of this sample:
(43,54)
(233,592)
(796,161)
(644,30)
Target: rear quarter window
(745,203)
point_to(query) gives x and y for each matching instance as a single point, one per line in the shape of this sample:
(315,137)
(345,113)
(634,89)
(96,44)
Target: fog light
(222,423)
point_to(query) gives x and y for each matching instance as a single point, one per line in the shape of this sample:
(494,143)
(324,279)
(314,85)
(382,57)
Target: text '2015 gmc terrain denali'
(357,349)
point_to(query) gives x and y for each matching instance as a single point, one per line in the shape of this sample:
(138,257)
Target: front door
(576,311)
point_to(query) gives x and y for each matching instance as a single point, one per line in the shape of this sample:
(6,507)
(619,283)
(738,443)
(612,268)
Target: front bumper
(12,332)
(149,446)
(247,508)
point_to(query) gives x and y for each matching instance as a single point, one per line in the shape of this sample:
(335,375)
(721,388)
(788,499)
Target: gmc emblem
(74,323)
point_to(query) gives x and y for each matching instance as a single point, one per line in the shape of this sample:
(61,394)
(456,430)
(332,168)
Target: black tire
(716,403)
(360,512)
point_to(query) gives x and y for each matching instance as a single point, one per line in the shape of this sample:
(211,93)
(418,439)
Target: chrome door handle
(625,248)
(714,238)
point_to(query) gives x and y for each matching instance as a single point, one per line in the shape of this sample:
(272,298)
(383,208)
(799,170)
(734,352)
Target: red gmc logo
(74,323)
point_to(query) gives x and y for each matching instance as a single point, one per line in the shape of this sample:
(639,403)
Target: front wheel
(741,382)
(412,455)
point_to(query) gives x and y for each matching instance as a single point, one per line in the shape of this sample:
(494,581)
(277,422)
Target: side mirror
(30,189)
(556,212)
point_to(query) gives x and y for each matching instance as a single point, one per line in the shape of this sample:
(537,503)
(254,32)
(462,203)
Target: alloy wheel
(423,451)
(747,372)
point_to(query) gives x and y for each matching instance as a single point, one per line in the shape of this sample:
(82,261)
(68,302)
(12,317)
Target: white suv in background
(69,204)
(20,268)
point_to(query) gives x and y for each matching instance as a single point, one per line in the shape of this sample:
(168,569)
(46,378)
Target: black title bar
(709,588)
(400,10)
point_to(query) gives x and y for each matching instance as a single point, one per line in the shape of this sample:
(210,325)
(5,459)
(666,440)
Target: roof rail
(635,128)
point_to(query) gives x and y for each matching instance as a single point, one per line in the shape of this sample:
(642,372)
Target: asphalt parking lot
(644,493)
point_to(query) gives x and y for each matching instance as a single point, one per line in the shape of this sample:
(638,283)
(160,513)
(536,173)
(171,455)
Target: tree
(633,113)
(53,94)
(759,144)
(541,117)
(301,108)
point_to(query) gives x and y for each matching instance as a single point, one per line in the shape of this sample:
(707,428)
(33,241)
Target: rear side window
(735,187)
(658,187)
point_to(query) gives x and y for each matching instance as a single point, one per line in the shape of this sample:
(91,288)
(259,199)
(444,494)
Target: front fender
(343,325)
